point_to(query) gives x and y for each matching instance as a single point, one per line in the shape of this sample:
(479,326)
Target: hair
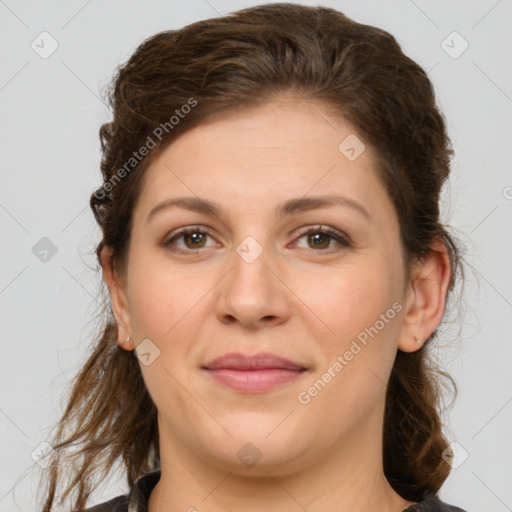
(220,65)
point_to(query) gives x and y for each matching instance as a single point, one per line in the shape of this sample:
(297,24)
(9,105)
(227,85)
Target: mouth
(258,373)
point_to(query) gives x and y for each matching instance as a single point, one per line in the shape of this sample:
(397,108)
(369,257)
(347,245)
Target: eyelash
(342,240)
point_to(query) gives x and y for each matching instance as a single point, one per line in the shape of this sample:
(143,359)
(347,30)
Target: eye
(192,238)
(319,237)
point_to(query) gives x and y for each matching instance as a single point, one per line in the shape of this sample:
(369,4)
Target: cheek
(357,360)
(361,309)
(351,300)
(162,296)
(163,303)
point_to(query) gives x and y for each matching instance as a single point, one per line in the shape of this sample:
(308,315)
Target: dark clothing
(137,500)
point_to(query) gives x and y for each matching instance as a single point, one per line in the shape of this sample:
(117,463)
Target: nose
(253,294)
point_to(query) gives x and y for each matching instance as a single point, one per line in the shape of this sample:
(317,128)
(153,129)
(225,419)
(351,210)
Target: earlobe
(118,300)
(426,298)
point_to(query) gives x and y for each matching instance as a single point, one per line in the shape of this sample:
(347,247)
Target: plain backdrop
(51,111)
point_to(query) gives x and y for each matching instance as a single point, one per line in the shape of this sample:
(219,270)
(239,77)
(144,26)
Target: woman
(275,261)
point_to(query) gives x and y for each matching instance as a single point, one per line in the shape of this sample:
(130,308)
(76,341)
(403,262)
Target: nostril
(230,319)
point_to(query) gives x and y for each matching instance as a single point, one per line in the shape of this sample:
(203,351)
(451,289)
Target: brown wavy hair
(224,64)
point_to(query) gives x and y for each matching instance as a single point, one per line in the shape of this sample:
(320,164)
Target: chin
(261,443)
(258,459)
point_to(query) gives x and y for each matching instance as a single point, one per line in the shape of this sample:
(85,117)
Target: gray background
(51,112)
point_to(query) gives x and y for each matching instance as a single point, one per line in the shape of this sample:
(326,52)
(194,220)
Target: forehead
(264,156)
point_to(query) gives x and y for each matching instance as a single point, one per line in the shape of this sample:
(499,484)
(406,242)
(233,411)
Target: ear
(425,297)
(118,299)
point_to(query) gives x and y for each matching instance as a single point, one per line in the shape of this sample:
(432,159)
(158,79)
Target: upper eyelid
(187,229)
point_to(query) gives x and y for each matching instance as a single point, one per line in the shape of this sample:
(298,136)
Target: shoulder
(432,503)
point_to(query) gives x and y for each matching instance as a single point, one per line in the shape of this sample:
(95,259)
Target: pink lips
(253,374)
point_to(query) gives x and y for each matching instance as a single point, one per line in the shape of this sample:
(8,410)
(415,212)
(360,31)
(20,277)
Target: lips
(256,373)
(261,361)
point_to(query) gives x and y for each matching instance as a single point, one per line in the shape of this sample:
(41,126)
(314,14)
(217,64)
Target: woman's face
(248,280)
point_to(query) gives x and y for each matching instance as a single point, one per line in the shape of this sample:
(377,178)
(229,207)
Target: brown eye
(194,240)
(319,238)
(187,240)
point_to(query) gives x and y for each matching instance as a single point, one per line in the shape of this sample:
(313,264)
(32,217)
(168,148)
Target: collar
(141,490)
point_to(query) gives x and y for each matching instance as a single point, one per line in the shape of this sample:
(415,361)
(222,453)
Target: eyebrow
(297,205)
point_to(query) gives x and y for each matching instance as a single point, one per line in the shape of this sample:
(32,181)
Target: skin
(306,301)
